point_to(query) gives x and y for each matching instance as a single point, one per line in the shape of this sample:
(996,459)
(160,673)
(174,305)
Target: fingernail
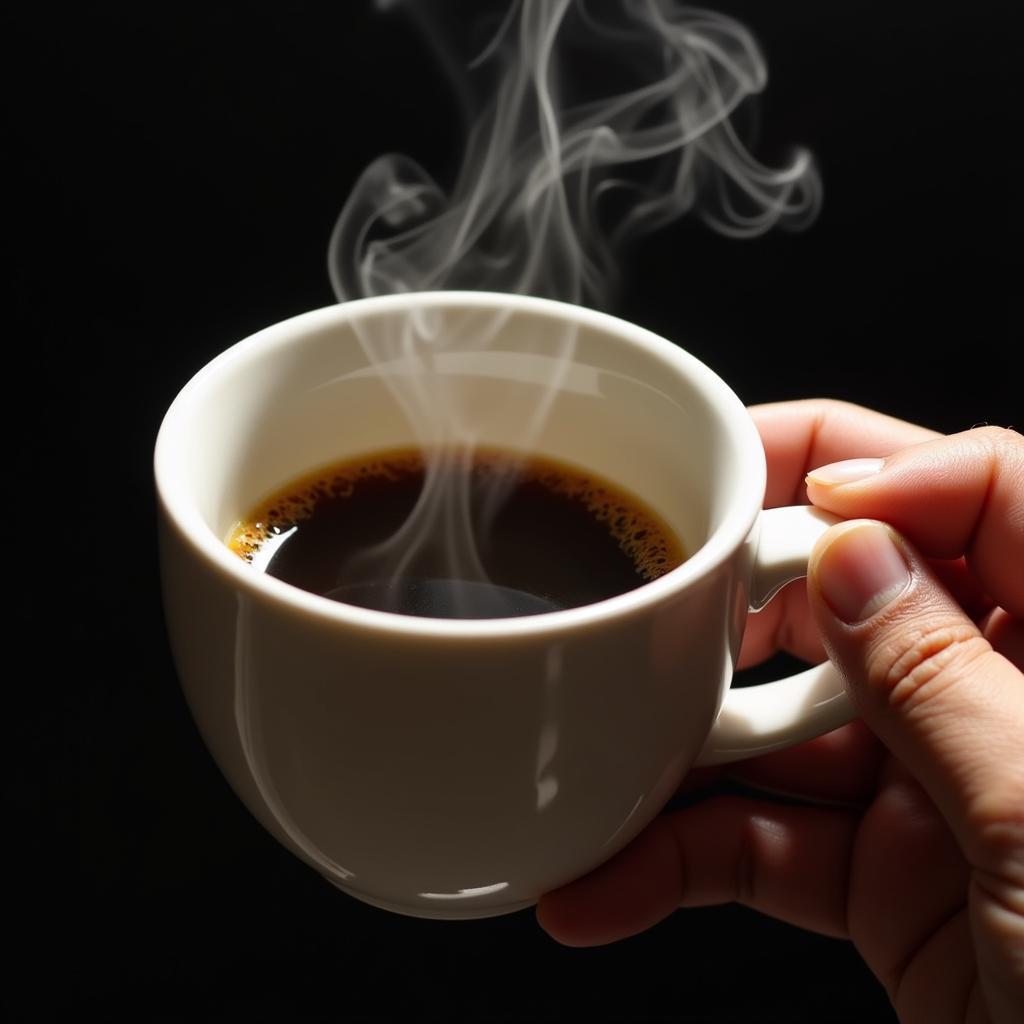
(845,472)
(861,571)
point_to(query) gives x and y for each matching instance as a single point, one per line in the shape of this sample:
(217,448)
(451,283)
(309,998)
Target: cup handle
(758,719)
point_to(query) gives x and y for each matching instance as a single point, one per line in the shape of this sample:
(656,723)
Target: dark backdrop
(177,173)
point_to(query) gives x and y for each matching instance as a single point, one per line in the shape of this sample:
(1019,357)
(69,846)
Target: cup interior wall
(272,411)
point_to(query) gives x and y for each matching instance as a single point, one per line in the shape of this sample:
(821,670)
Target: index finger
(800,436)
(952,496)
(797,437)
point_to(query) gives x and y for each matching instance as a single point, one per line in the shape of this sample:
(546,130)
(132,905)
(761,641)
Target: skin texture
(908,834)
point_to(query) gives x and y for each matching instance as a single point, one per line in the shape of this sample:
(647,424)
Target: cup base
(441,912)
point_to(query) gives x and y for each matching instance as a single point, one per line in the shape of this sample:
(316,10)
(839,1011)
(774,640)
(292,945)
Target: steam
(555,177)
(548,187)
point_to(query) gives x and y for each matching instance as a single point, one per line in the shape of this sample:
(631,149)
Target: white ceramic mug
(461,768)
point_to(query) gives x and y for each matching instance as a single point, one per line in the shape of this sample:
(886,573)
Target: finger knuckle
(1002,440)
(927,660)
(997,861)
(1004,449)
(825,404)
(999,847)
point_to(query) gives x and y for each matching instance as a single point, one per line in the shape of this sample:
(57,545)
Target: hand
(908,833)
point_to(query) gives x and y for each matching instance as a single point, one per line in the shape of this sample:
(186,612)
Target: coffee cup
(451,768)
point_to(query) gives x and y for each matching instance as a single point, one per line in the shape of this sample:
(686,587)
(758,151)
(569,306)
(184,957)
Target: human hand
(908,837)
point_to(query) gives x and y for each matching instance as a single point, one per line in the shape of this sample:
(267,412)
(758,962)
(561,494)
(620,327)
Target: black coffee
(545,536)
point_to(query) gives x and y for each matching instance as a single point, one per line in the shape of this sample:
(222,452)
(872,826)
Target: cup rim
(739,519)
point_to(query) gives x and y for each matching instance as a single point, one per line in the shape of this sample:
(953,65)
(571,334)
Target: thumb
(928,684)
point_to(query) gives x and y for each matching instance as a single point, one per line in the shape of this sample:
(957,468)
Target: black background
(177,171)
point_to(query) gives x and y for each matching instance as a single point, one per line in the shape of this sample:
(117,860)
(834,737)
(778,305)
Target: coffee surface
(545,536)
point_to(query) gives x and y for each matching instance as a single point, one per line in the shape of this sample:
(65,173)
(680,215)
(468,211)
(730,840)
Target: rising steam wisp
(557,172)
